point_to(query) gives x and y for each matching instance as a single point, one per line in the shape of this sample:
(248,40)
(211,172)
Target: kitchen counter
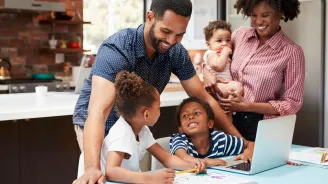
(28,105)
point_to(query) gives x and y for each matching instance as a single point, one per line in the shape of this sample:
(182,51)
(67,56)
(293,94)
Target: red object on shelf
(74,45)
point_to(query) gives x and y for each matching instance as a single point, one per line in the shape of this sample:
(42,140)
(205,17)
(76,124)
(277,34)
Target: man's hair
(132,93)
(213,26)
(179,7)
(205,105)
(290,8)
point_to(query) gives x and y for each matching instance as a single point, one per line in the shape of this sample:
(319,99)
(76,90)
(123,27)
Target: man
(152,51)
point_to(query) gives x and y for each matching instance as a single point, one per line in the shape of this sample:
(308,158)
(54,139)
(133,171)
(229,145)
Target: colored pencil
(323,158)
(186,171)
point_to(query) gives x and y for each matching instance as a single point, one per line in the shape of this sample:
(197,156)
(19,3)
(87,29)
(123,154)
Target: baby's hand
(226,50)
(164,176)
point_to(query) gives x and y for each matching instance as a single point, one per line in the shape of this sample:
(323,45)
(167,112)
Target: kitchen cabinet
(42,150)
(9,152)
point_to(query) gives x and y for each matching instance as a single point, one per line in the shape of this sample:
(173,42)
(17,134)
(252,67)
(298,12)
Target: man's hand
(91,175)
(210,81)
(247,155)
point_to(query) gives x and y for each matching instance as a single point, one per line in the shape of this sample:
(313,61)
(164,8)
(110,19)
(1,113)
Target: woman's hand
(234,103)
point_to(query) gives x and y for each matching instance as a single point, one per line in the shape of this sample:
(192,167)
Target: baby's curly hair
(290,8)
(213,26)
(132,93)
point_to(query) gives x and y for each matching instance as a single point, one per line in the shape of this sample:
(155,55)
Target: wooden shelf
(72,22)
(67,50)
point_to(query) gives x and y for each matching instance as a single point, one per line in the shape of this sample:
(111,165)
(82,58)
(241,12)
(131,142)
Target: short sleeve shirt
(125,50)
(121,138)
(221,144)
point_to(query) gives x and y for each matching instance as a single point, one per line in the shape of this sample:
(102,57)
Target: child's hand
(215,162)
(164,176)
(199,164)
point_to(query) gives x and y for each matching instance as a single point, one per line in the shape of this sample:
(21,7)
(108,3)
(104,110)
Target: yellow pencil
(186,171)
(323,158)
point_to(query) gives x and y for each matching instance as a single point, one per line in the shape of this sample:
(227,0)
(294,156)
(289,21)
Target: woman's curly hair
(132,93)
(290,8)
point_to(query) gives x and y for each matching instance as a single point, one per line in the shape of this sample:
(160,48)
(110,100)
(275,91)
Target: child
(125,145)
(217,58)
(198,139)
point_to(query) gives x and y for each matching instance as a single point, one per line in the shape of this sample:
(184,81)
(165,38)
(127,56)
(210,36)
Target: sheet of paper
(312,155)
(212,177)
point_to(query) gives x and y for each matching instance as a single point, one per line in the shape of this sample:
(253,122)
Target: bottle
(52,42)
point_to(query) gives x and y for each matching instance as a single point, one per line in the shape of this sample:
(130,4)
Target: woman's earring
(283,17)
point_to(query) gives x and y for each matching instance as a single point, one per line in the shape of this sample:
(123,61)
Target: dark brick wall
(21,39)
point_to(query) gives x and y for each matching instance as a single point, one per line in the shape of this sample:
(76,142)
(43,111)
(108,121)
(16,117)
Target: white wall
(307,31)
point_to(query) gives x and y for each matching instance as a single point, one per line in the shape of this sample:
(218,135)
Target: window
(108,17)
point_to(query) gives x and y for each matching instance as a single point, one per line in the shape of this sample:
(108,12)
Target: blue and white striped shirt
(221,144)
(125,50)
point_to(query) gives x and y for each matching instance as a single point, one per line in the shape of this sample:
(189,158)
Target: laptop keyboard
(242,166)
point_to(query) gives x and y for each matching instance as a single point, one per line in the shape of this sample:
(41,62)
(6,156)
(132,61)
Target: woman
(267,63)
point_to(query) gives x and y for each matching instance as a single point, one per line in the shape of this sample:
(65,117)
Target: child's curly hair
(213,26)
(290,8)
(132,93)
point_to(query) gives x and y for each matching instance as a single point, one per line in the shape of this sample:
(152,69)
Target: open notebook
(311,157)
(213,177)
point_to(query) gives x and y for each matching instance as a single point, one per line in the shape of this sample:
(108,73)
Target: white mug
(41,90)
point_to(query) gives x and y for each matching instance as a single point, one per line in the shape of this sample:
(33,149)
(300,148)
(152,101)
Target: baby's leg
(237,87)
(225,89)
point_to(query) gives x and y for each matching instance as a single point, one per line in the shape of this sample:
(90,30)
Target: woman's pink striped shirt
(272,73)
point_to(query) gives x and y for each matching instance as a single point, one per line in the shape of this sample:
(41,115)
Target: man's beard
(155,42)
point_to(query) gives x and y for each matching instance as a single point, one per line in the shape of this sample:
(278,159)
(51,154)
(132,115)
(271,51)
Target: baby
(217,58)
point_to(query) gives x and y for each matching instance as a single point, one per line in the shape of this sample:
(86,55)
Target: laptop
(272,147)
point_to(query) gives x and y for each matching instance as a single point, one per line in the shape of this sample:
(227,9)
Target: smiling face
(220,38)
(265,19)
(194,119)
(167,31)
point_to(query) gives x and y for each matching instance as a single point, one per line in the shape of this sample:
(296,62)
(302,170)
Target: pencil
(323,158)
(186,171)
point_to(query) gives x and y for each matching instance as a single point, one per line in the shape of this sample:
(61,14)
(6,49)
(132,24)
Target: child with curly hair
(139,106)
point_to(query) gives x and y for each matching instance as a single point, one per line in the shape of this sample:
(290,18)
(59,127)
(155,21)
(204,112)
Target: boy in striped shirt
(198,140)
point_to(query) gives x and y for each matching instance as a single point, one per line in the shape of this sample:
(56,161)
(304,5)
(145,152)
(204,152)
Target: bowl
(43,76)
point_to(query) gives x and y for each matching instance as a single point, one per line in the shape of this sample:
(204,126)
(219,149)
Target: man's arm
(195,88)
(101,102)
